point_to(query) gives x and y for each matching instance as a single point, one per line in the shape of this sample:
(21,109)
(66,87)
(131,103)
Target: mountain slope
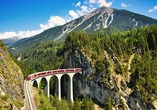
(105,18)
(11,81)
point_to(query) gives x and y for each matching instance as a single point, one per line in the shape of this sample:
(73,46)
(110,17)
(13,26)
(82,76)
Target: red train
(59,71)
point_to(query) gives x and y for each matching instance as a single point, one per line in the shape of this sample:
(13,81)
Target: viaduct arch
(37,77)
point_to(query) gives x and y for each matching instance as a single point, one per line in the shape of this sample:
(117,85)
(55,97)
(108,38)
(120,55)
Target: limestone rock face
(11,81)
(100,86)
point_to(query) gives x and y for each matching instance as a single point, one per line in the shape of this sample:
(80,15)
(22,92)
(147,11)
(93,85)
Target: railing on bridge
(50,72)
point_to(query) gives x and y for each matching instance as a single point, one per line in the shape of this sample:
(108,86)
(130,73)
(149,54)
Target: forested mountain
(119,70)
(108,19)
(11,82)
(41,56)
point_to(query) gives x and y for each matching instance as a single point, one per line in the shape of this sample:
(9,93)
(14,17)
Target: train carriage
(59,71)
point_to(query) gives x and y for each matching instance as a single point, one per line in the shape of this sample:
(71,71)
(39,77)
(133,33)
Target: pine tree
(77,105)
(87,104)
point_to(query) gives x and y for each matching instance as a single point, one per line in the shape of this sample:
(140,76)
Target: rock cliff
(102,86)
(11,82)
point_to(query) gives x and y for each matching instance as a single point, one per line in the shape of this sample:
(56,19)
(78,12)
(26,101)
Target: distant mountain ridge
(10,41)
(108,19)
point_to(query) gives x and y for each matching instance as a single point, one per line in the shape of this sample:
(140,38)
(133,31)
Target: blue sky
(25,18)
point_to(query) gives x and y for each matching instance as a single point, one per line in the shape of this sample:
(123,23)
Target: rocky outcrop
(100,86)
(101,18)
(11,81)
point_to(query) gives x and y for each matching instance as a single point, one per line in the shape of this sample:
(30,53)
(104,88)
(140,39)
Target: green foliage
(71,105)
(90,44)
(77,104)
(119,69)
(5,97)
(52,83)
(87,104)
(44,103)
(99,65)
(108,103)
(144,76)
(144,64)
(41,85)
(55,102)
(142,42)
(64,105)
(1,44)
(17,103)
(41,56)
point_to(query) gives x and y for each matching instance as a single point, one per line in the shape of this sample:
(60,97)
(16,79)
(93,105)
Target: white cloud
(28,33)
(82,9)
(153,9)
(80,13)
(124,5)
(20,34)
(78,4)
(53,21)
(85,9)
(7,35)
(99,2)
(92,1)
(104,3)
(73,14)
